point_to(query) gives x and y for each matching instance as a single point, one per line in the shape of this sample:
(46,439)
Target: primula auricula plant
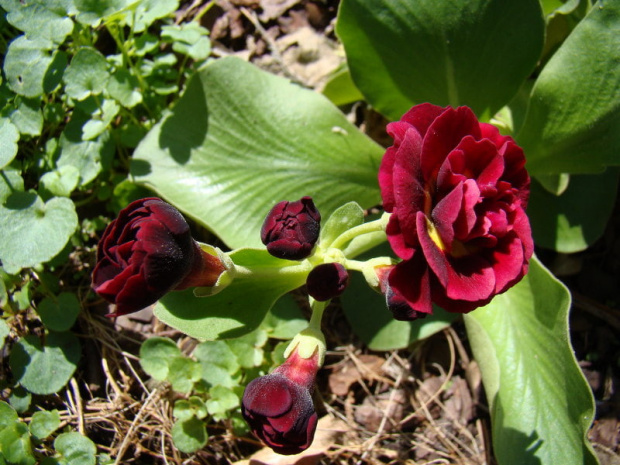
(454,192)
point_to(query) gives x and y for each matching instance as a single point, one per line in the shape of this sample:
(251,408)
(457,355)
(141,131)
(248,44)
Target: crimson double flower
(147,251)
(457,192)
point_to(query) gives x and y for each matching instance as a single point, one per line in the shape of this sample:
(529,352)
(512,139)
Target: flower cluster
(454,191)
(457,192)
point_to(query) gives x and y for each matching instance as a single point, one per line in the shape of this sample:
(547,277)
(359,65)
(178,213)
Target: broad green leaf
(475,53)
(31,69)
(284,320)
(87,74)
(574,220)
(240,307)
(255,139)
(9,136)
(44,423)
(58,313)
(45,367)
(233,312)
(156,354)
(33,231)
(541,405)
(189,435)
(344,218)
(76,449)
(15,445)
(574,114)
(38,21)
(27,117)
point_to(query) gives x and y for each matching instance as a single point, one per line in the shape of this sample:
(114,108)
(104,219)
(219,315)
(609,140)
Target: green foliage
(540,402)
(70,115)
(574,112)
(212,378)
(401,53)
(45,367)
(18,440)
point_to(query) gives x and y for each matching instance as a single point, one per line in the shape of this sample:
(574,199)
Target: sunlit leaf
(541,405)
(574,113)
(255,139)
(475,53)
(44,367)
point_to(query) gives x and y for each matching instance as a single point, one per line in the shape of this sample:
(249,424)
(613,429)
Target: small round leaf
(59,313)
(76,449)
(44,368)
(44,423)
(189,435)
(155,355)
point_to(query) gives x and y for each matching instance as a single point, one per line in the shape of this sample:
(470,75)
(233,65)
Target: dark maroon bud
(291,229)
(327,281)
(278,407)
(146,252)
(395,302)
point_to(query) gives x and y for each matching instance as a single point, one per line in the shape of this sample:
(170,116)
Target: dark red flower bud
(146,252)
(327,281)
(291,229)
(278,407)
(395,302)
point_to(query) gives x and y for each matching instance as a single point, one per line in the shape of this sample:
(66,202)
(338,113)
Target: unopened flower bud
(278,407)
(327,281)
(291,229)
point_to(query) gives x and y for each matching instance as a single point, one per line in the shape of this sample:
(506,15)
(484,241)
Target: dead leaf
(459,404)
(389,404)
(349,373)
(272,9)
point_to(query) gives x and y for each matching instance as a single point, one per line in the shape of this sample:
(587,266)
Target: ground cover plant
(352,230)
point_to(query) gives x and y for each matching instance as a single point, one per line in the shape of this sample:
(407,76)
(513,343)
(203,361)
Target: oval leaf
(254,139)
(32,231)
(474,53)
(45,369)
(574,114)
(541,405)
